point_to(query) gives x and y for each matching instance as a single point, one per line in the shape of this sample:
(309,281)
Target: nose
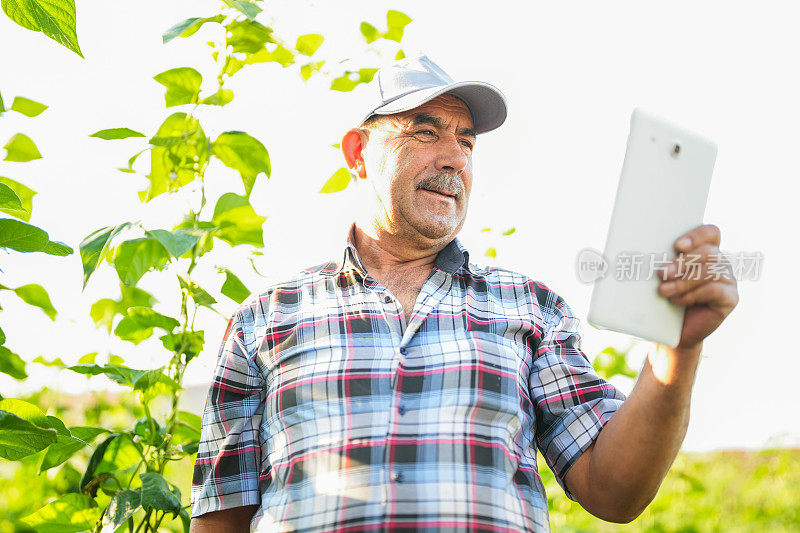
(451,157)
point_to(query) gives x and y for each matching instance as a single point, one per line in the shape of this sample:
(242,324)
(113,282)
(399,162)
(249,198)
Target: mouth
(439,192)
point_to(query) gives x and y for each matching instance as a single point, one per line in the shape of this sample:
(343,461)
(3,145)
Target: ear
(353,144)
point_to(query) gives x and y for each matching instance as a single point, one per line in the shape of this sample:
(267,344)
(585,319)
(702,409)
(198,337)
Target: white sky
(572,72)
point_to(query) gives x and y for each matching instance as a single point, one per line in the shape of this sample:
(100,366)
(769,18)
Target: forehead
(446,107)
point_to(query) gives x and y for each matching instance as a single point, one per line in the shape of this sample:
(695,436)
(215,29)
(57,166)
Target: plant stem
(158,522)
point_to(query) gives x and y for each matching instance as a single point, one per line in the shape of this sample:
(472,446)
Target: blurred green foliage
(728,491)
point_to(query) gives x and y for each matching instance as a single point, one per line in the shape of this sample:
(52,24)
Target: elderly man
(404,388)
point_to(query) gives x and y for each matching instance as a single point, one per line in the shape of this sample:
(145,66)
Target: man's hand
(619,474)
(701,280)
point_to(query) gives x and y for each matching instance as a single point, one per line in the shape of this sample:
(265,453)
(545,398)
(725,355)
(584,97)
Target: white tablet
(661,195)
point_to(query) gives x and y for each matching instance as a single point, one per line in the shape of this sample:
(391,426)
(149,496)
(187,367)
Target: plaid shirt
(331,412)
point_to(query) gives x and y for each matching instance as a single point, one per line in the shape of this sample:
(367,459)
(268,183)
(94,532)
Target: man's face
(420,163)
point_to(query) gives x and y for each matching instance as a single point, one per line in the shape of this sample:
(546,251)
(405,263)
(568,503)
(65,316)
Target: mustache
(441,182)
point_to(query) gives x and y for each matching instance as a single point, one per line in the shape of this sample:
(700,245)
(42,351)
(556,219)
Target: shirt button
(401,409)
(387,299)
(403,350)
(397,476)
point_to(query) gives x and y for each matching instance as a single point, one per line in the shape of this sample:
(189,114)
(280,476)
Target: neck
(382,252)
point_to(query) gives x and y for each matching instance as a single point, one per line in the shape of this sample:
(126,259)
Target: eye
(425,133)
(466,144)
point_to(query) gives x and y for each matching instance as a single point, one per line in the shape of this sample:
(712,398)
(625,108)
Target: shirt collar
(450,259)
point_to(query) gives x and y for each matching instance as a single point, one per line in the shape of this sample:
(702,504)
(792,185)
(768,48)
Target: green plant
(126,478)
(17,234)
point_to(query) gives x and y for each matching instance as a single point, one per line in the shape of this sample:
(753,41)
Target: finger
(705,273)
(687,265)
(707,233)
(715,294)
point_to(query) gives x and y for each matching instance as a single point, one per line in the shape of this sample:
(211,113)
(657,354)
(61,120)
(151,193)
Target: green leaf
(490,252)
(96,459)
(351,79)
(237,221)
(188,27)
(129,377)
(308,69)
(66,446)
(2,338)
(233,288)
(509,231)
(189,343)
(179,156)
(21,236)
(26,198)
(612,362)
(26,411)
(369,32)
(88,359)
(35,295)
(157,494)
(20,437)
(57,424)
(55,363)
(9,199)
(57,248)
(248,36)
(244,153)
(12,364)
(129,330)
(21,149)
(309,43)
(121,507)
(399,55)
(177,242)
(103,312)
(2,106)
(116,133)
(135,257)
(139,323)
(186,520)
(182,83)
(338,182)
(27,107)
(248,9)
(191,420)
(396,21)
(54,18)
(221,97)
(93,249)
(135,297)
(198,294)
(164,385)
(116,464)
(134,157)
(70,513)
(281,55)
(150,318)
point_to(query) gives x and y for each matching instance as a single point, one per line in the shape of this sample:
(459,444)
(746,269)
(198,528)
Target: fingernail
(683,243)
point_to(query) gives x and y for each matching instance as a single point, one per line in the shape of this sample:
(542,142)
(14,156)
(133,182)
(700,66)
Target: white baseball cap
(410,83)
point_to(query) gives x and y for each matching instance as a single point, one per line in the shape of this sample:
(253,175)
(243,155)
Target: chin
(439,230)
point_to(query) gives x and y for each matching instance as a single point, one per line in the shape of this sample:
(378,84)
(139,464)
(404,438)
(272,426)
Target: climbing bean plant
(125,481)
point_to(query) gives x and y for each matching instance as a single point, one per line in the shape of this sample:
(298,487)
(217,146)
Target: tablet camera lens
(676,149)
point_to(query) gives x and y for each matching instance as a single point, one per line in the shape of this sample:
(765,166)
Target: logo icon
(590,265)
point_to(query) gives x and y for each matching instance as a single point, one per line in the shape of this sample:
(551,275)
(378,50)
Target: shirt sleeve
(228,464)
(572,403)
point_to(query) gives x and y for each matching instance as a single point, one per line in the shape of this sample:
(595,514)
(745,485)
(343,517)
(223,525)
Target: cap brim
(485,101)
